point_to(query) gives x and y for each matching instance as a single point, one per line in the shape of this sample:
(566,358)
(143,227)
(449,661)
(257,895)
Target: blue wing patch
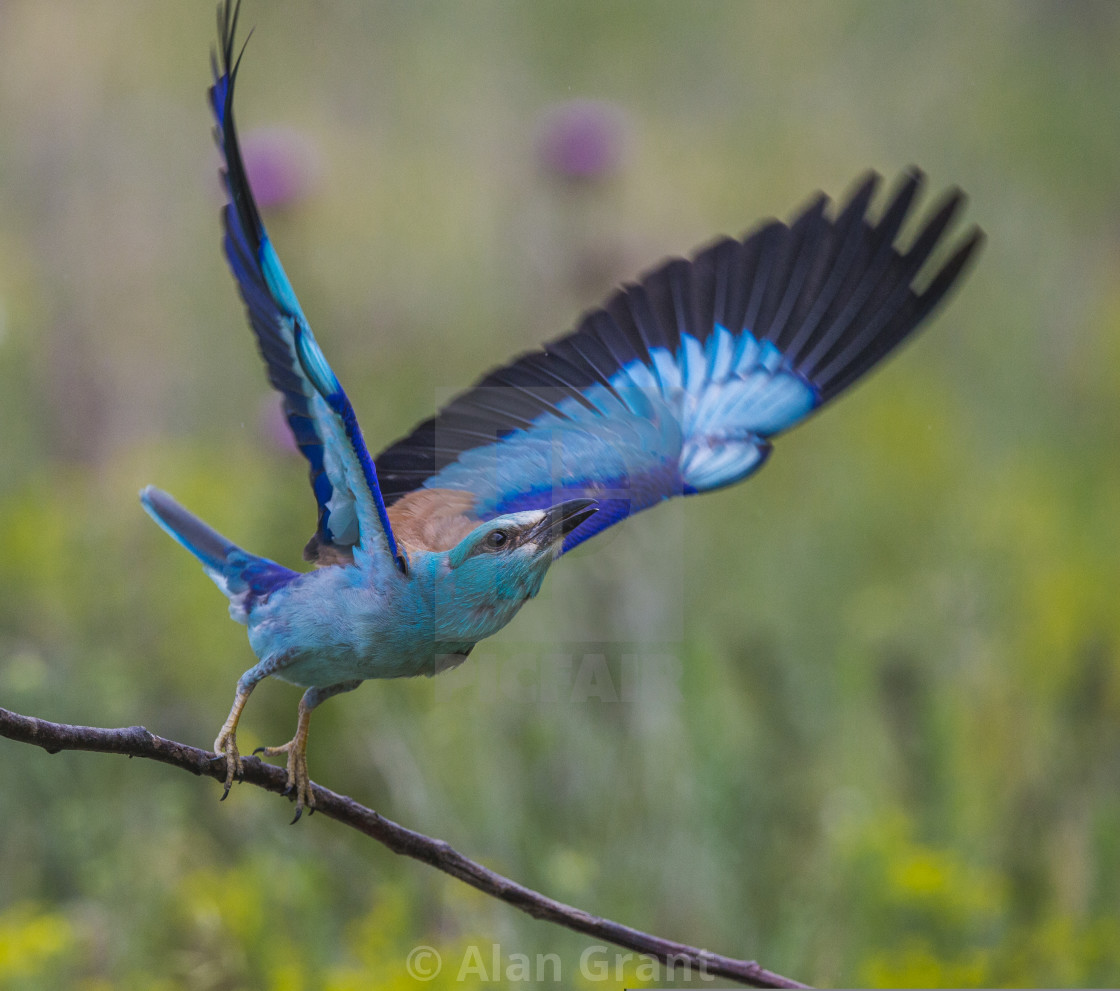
(688,422)
(677,385)
(320,416)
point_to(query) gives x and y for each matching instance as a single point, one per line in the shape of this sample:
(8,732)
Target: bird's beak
(562,519)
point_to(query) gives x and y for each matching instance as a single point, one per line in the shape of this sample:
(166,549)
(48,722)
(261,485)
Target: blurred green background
(874,737)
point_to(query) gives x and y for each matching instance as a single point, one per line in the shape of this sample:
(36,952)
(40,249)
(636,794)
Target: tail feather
(242,576)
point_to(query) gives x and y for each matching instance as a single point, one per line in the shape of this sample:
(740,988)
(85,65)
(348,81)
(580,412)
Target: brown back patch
(433,519)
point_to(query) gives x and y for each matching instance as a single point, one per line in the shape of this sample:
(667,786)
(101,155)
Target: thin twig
(136,741)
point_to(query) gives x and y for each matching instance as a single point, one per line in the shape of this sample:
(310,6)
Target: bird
(677,385)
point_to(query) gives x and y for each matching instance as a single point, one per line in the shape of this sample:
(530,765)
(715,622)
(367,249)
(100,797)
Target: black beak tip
(573,512)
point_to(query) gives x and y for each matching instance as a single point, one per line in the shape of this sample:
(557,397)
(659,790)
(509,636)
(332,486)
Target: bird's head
(500,564)
(512,547)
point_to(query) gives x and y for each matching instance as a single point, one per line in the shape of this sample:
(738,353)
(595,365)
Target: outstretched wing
(343,476)
(678,383)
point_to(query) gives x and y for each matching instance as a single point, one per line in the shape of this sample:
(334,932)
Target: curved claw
(299,782)
(225,748)
(299,812)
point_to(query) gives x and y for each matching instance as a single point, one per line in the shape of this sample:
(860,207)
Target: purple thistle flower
(283,165)
(583,139)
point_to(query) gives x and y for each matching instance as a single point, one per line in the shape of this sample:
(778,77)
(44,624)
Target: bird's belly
(328,667)
(327,661)
(320,641)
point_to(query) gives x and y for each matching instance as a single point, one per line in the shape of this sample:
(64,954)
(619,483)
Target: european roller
(677,385)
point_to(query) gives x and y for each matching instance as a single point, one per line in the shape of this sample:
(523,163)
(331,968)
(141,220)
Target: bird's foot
(226,746)
(299,782)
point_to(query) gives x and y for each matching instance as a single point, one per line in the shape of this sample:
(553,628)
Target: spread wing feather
(343,476)
(678,383)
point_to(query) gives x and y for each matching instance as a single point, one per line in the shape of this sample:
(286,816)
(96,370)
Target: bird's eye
(496,539)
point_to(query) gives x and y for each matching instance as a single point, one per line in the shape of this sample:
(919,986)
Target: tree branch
(136,741)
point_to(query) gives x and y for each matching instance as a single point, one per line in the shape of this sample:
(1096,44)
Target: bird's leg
(226,743)
(296,749)
(299,781)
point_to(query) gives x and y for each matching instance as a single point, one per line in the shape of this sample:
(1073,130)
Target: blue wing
(343,476)
(678,383)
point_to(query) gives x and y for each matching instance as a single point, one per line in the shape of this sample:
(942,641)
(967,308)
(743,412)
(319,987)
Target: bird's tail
(242,576)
